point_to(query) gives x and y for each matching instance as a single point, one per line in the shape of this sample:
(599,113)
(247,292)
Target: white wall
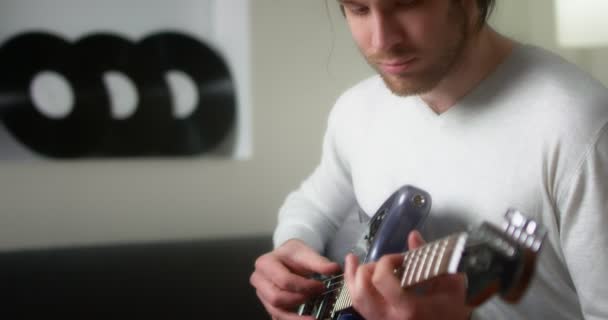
(534,22)
(302,60)
(300,64)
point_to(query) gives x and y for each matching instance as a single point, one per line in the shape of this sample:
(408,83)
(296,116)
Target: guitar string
(334,286)
(341,276)
(334,277)
(328,282)
(329,291)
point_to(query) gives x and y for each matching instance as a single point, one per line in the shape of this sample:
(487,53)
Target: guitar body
(403,212)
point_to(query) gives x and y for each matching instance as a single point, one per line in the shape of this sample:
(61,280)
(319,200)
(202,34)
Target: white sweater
(532,136)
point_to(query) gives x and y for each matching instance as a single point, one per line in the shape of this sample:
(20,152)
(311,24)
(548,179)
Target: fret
(407,262)
(442,256)
(439,262)
(418,265)
(424,254)
(415,257)
(344,300)
(433,255)
(413,261)
(457,249)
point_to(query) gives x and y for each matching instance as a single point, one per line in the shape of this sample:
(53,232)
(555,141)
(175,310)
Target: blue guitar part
(404,211)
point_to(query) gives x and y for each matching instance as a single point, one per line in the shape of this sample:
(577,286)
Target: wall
(302,59)
(534,22)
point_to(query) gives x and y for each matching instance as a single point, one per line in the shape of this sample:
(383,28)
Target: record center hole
(122,93)
(184,93)
(52,95)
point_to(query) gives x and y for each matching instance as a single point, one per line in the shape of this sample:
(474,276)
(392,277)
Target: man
(480,122)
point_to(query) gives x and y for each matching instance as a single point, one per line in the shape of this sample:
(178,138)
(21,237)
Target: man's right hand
(281,278)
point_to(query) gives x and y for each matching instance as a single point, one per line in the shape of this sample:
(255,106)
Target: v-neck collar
(475,100)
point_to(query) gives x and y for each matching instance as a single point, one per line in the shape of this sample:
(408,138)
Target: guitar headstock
(499,260)
(527,232)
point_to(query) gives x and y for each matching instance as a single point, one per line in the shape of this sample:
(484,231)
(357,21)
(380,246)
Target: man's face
(412,44)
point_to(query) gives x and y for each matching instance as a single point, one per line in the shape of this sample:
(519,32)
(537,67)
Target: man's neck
(484,52)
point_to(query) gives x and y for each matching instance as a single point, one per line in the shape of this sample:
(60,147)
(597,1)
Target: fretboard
(431,260)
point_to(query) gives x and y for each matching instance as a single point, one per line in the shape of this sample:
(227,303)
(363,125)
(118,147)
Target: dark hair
(485,10)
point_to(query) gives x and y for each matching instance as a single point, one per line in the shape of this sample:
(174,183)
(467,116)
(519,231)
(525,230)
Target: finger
(281,314)
(448,284)
(275,296)
(415,240)
(351,263)
(366,300)
(273,269)
(385,280)
(389,286)
(305,261)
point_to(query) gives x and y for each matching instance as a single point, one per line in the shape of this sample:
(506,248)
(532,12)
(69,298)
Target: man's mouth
(396,67)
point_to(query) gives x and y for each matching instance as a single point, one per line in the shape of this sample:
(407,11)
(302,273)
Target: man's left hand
(377,293)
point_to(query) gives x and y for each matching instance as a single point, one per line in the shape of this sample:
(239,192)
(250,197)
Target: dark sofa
(205,279)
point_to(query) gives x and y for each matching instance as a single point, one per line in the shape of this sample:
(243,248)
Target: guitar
(495,260)
(403,211)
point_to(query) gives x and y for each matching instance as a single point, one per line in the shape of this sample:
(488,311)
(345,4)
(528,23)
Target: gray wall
(302,59)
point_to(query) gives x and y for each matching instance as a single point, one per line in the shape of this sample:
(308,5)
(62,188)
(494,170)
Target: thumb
(304,260)
(320,264)
(415,240)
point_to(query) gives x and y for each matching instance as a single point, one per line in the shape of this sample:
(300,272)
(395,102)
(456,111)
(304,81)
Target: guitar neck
(431,260)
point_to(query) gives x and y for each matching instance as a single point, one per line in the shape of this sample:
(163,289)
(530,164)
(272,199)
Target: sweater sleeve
(583,207)
(314,212)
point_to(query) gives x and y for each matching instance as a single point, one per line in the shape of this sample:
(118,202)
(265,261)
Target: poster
(84,79)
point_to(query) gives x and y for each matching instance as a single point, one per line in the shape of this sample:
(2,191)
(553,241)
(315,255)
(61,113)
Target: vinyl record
(214,115)
(90,129)
(21,59)
(143,132)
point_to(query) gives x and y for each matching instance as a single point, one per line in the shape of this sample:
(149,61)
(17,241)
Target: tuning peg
(514,218)
(525,231)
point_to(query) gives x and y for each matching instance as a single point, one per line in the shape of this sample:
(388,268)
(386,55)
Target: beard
(439,65)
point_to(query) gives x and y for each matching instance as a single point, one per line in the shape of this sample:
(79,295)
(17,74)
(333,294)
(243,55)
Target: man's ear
(473,13)
(470,9)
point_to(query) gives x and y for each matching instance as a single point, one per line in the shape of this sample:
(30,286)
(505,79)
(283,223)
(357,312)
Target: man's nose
(386,32)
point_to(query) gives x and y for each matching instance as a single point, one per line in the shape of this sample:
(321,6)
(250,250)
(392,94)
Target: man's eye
(357,10)
(407,2)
